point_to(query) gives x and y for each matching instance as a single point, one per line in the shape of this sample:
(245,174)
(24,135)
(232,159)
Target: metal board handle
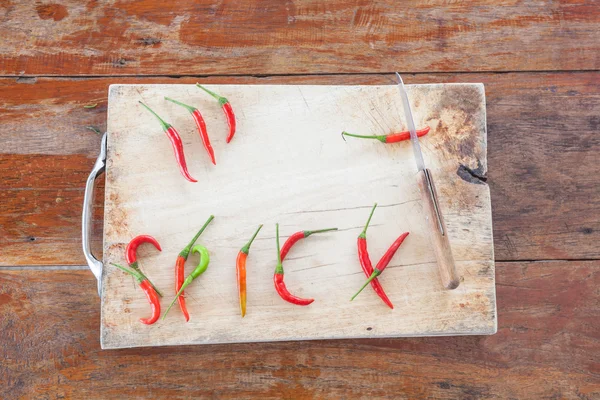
(86,218)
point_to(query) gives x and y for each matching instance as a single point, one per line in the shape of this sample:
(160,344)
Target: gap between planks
(85,267)
(95,76)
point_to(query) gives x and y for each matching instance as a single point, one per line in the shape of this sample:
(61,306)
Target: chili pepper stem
(185,284)
(186,250)
(164,124)
(381,138)
(363,234)
(133,273)
(308,233)
(189,108)
(222,100)
(279,268)
(246,248)
(374,275)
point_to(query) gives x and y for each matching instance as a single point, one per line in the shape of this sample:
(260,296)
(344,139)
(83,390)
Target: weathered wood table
(539,63)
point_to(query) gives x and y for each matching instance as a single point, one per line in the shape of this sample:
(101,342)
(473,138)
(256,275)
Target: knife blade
(410,122)
(431,207)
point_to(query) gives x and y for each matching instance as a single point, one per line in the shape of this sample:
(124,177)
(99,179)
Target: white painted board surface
(288,163)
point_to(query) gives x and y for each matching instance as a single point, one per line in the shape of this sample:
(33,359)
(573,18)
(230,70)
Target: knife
(433,213)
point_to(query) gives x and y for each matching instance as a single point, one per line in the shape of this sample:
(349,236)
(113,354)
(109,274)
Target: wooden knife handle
(439,240)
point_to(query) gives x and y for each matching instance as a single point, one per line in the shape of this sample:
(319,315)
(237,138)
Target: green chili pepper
(199,270)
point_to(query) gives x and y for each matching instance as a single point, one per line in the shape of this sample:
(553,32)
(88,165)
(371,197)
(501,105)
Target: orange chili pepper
(240,267)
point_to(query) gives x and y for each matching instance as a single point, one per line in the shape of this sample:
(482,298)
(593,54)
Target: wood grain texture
(546,347)
(289,164)
(307,36)
(542,138)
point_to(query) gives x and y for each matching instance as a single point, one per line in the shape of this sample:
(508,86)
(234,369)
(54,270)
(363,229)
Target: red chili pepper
(201,128)
(280,284)
(387,257)
(240,269)
(180,269)
(392,138)
(292,240)
(150,294)
(131,257)
(226,106)
(365,262)
(384,261)
(176,143)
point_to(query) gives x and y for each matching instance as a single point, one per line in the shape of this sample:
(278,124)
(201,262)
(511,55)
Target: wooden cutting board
(289,164)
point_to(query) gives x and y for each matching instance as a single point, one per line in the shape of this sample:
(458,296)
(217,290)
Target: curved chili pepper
(131,256)
(292,240)
(392,138)
(201,128)
(176,143)
(280,284)
(384,261)
(199,270)
(180,269)
(365,262)
(150,294)
(226,106)
(240,269)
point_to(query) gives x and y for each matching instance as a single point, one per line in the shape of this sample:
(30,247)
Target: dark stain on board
(56,12)
(472,175)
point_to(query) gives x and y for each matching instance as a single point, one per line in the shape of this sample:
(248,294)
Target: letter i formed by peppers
(240,268)
(176,142)
(150,294)
(199,270)
(180,269)
(227,110)
(201,127)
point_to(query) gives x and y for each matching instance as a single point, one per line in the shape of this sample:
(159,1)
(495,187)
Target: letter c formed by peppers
(280,284)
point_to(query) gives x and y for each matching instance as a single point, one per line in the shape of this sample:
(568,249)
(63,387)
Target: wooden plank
(271,37)
(546,346)
(536,122)
(288,164)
